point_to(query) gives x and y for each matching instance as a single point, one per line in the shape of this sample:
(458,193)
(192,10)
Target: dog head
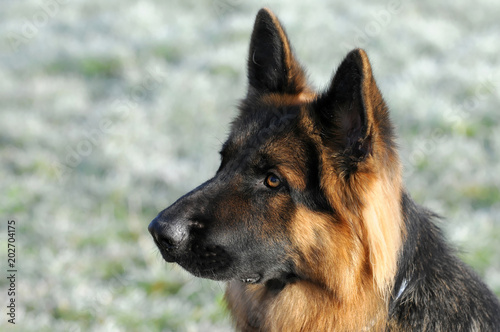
(306,179)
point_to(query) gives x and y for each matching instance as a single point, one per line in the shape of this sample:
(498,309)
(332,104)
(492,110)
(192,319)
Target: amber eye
(272,181)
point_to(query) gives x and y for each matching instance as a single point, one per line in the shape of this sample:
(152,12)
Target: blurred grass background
(112,110)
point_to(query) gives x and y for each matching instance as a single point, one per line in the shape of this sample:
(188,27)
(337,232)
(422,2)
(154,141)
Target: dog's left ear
(351,111)
(272,68)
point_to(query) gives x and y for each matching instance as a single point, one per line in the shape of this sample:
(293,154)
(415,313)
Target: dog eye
(272,181)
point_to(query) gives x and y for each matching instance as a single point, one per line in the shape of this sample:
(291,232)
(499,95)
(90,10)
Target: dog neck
(260,307)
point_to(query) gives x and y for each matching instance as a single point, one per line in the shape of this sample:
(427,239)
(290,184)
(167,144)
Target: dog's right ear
(272,68)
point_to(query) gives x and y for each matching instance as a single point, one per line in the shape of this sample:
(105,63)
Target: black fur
(342,115)
(269,69)
(266,58)
(441,292)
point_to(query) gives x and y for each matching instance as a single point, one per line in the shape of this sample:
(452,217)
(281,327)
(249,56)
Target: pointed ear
(272,67)
(347,111)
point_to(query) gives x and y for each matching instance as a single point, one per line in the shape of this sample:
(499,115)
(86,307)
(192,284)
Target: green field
(109,111)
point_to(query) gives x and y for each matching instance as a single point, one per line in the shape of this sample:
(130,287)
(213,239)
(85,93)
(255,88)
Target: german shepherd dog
(307,218)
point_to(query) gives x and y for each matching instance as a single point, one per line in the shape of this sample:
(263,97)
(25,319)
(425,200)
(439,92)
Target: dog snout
(169,234)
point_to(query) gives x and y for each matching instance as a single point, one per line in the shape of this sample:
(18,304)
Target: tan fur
(276,99)
(381,214)
(370,199)
(293,177)
(335,296)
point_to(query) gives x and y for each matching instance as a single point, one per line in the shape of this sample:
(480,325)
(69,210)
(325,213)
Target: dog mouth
(216,263)
(207,261)
(210,262)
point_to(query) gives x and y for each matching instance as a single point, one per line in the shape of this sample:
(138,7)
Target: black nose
(169,234)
